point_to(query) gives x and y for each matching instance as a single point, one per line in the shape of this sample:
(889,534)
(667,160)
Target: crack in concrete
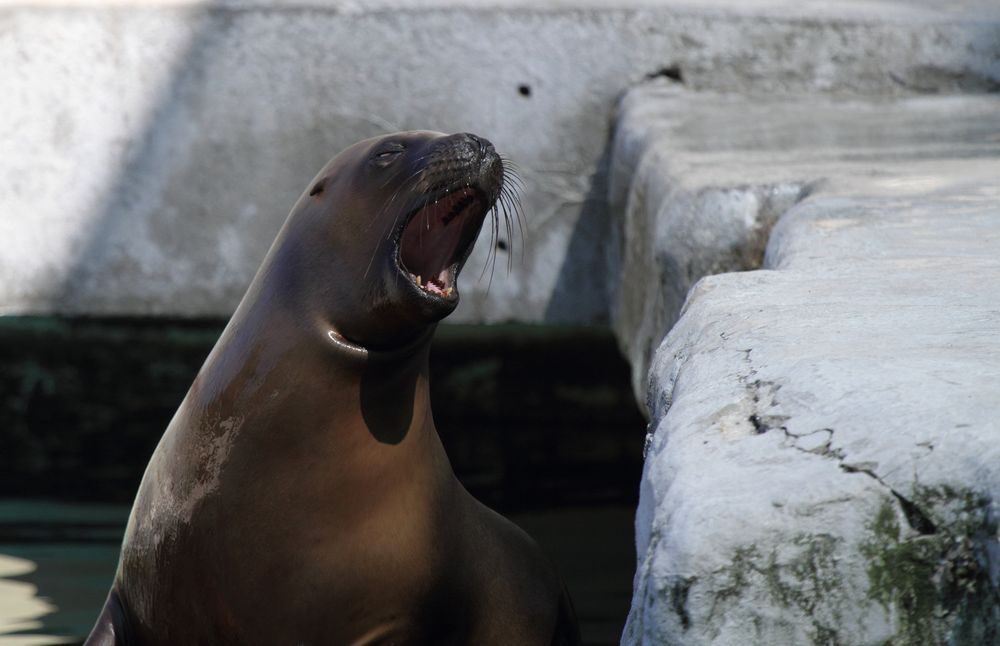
(819,442)
(918,521)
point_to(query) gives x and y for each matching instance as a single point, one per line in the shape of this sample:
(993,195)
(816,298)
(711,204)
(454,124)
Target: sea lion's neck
(314,380)
(392,389)
(348,351)
(283,405)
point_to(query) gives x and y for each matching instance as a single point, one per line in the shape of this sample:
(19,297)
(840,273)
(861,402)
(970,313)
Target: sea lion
(301,495)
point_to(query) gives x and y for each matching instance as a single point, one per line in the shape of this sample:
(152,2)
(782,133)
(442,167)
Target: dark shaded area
(581,262)
(593,549)
(536,417)
(531,416)
(83,402)
(381,383)
(672,72)
(539,423)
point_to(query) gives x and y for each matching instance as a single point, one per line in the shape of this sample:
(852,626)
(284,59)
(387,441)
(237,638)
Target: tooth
(419,278)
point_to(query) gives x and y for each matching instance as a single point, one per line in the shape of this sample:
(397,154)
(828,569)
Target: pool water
(57,561)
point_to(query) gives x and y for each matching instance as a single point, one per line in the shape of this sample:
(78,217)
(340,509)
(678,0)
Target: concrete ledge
(155,147)
(697,181)
(823,464)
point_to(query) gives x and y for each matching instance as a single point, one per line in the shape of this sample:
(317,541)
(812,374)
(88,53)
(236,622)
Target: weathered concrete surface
(823,466)
(152,149)
(697,181)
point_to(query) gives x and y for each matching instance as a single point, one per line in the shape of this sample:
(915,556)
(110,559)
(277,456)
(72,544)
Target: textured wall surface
(822,466)
(152,149)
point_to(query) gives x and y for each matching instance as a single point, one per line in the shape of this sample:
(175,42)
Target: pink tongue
(437,285)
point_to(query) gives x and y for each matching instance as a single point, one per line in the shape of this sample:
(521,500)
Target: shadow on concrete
(585,263)
(139,159)
(187,195)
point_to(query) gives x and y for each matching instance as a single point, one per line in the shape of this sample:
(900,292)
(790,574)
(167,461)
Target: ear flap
(318,187)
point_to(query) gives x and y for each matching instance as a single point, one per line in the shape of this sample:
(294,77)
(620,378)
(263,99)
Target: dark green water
(72,550)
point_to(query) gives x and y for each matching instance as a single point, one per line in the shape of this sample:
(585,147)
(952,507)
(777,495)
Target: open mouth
(438,237)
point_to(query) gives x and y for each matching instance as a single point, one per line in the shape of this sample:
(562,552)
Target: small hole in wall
(502,245)
(672,72)
(524,90)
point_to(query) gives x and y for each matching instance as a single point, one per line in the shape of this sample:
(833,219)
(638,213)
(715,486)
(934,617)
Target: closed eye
(387,155)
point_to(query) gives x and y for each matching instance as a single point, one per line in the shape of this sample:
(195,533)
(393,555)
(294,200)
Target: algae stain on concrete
(801,576)
(941,586)
(899,573)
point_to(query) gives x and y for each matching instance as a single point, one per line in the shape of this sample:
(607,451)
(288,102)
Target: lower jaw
(433,288)
(443,288)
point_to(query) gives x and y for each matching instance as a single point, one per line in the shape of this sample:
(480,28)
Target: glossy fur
(301,494)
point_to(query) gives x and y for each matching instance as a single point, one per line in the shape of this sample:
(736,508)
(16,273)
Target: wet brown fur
(301,494)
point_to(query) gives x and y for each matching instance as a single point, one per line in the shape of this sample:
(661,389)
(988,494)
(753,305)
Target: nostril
(476,140)
(483,146)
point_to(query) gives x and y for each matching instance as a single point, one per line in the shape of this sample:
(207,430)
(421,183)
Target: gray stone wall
(153,149)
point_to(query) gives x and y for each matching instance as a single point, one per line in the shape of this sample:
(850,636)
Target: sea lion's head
(385,228)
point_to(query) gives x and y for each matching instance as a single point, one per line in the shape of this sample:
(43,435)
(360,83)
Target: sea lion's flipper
(567,627)
(110,627)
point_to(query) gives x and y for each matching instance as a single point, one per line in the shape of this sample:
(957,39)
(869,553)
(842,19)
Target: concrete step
(823,465)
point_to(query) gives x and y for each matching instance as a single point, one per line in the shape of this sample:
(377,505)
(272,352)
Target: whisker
(510,237)
(515,208)
(510,245)
(406,183)
(511,170)
(486,263)
(491,249)
(493,266)
(512,193)
(515,176)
